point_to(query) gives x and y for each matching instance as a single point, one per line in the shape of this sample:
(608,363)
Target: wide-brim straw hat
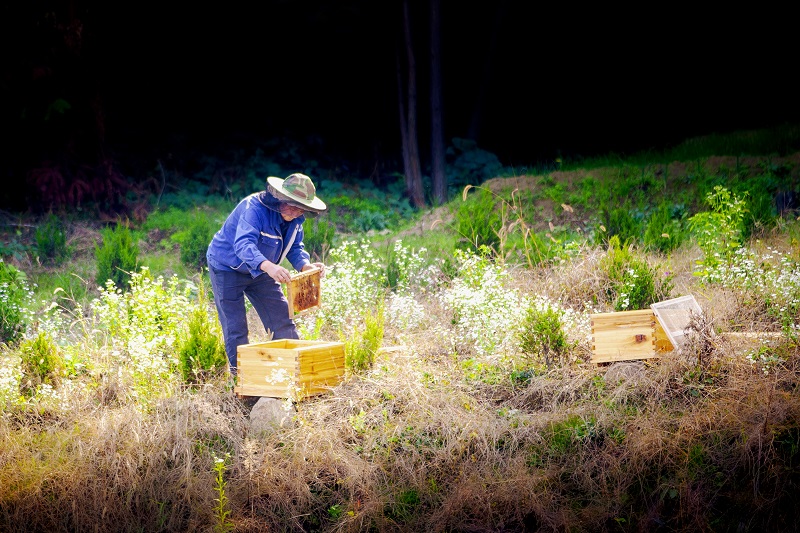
(297,189)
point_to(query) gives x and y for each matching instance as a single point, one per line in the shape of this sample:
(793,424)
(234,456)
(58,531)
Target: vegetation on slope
(483,411)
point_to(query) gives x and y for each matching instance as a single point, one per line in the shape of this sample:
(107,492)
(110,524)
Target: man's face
(290,212)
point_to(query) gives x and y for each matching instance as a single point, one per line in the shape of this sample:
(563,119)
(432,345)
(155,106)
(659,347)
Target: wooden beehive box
(289,368)
(303,292)
(627,335)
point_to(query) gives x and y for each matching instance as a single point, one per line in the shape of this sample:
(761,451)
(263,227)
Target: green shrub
(664,233)
(117,257)
(621,222)
(478,221)
(634,284)
(361,347)
(318,235)
(42,363)
(542,334)
(195,238)
(201,353)
(719,232)
(470,165)
(15,301)
(51,241)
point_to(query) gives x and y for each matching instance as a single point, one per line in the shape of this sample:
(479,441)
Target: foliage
(352,285)
(361,347)
(478,220)
(42,363)
(195,238)
(404,267)
(202,353)
(144,323)
(369,209)
(51,241)
(771,277)
(318,237)
(634,284)
(223,523)
(542,334)
(621,222)
(486,313)
(16,300)
(470,165)
(664,231)
(118,256)
(719,231)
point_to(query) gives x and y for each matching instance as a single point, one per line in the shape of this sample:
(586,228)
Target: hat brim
(315,206)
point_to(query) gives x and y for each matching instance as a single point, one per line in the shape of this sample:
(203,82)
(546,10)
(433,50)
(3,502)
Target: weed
(202,353)
(222,512)
(42,363)
(362,346)
(663,232)
(634,284)
(542,334)
(719,231)
(16,300)
(194,239)
(51,241)
(318,237)
(117,257)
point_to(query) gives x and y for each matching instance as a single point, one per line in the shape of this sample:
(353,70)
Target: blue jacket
(255,231)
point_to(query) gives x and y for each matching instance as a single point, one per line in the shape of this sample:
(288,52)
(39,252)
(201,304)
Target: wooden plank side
(623,336)
(322,358)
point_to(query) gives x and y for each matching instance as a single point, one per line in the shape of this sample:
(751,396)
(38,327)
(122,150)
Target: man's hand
(276,272)
(320,266)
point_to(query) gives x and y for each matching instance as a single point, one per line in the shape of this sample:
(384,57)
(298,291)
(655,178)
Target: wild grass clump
(16,303)
(118,255)
(51,241)
(634,283)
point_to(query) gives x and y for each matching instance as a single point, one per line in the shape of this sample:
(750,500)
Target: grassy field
(469,401)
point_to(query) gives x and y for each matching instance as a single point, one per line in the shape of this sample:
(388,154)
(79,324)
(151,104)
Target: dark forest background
(95,95)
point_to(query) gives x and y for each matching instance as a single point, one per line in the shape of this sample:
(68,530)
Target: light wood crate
(627,335)
(289,368)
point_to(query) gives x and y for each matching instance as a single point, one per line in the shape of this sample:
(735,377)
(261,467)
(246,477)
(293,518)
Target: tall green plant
(719,231)
(16,299)
(51,241)
(634,283)
(663,233)
(478,220)
(542,335)
(318,235)
(201,353)
(362,346)
(118,256)
(42,363)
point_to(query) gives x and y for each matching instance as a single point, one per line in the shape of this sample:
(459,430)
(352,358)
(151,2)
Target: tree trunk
(408,120)
(437,129)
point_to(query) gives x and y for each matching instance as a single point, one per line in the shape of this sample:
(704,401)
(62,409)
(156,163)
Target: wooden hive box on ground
(643,334)
(289,368)
(627,335)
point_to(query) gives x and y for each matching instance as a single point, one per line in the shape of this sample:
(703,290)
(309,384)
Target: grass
(438,433)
